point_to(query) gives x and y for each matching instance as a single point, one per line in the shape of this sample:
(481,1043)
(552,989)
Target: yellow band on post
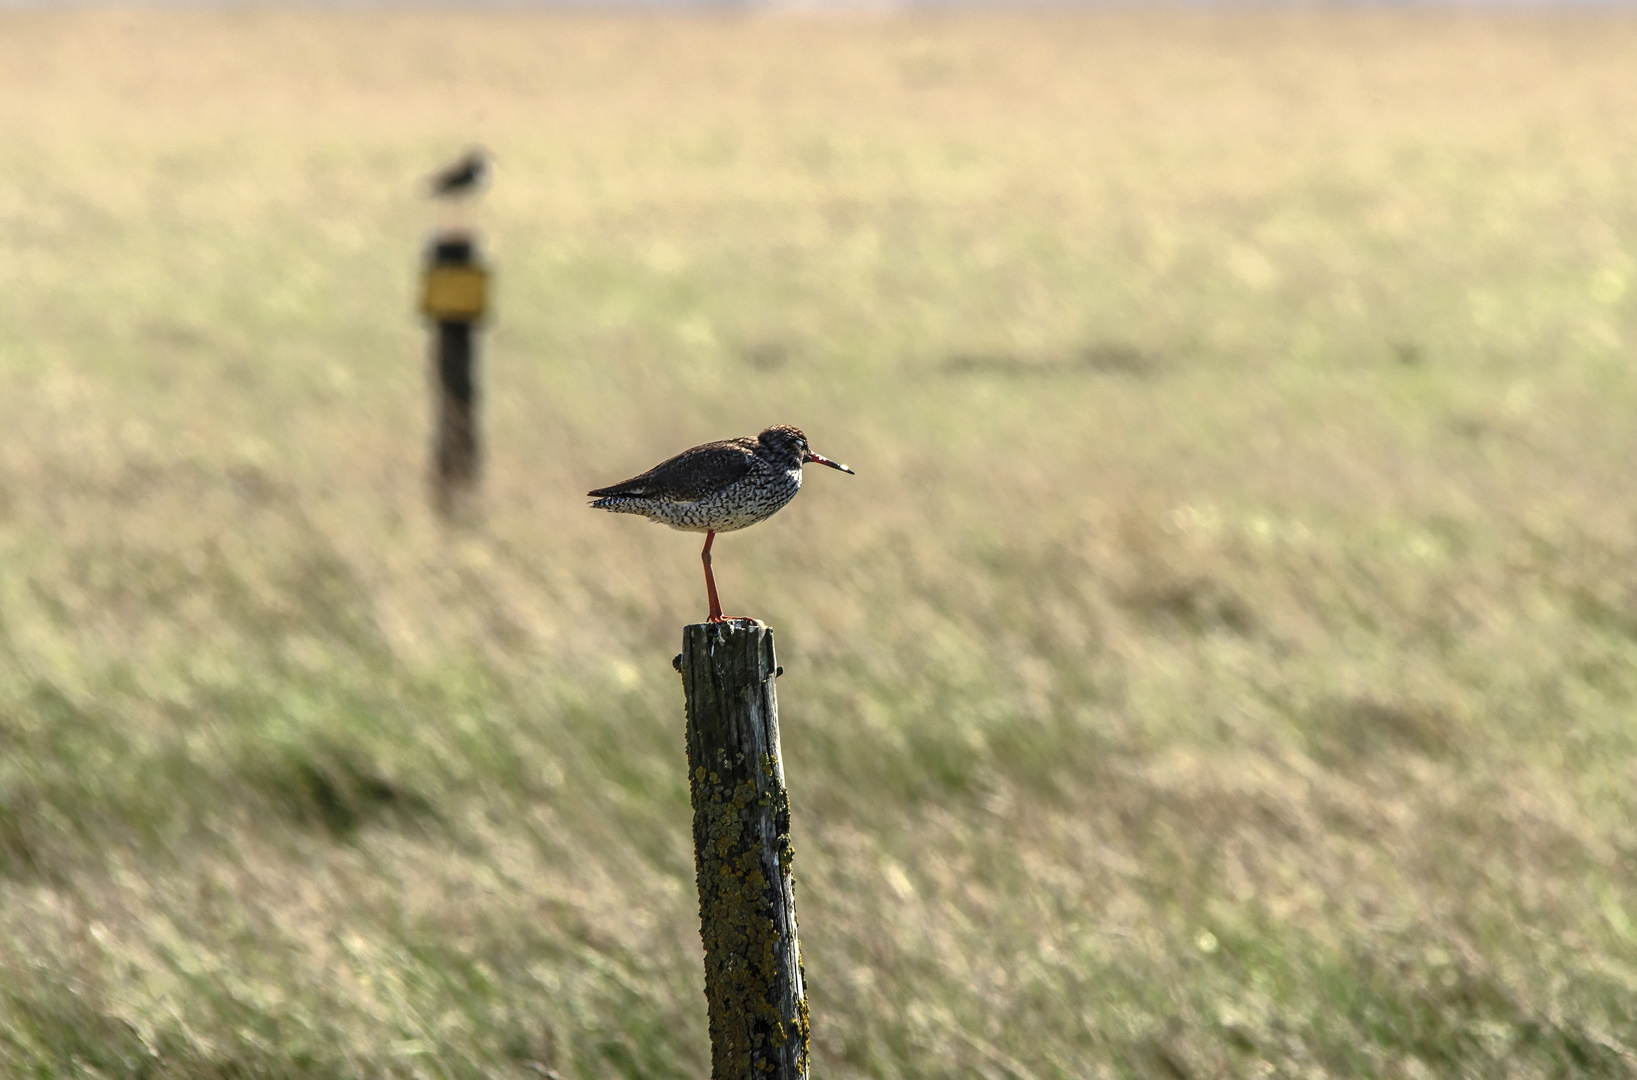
(455,293)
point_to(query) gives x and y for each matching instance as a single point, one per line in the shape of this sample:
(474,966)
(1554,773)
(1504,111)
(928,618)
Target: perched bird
(463,177)
(718,487)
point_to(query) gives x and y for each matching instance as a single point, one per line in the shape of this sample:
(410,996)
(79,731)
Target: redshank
(718,487)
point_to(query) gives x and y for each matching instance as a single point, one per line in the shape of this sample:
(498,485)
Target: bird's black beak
(826,461)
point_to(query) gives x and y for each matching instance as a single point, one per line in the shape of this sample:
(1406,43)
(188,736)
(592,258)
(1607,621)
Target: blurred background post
(455,298)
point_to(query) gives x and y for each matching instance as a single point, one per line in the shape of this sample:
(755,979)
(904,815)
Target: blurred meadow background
(1222,665)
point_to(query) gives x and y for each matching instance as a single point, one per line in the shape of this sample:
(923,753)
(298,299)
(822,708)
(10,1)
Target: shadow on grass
(77,779)
(53,1028)
(332,787)
(1343,730)
(1097,358)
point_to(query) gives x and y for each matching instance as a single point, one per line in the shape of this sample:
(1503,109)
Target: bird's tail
(620,503)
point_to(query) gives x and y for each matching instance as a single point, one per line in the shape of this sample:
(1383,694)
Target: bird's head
(788,446)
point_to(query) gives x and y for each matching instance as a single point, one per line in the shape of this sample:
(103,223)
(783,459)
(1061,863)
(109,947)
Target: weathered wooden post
(754,989)
(453,297)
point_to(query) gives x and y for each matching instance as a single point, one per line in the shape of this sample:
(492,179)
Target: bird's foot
(720,618)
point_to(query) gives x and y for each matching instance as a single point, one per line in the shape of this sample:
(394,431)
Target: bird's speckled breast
(760,494)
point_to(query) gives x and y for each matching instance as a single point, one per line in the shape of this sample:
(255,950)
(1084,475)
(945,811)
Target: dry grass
(1222,665)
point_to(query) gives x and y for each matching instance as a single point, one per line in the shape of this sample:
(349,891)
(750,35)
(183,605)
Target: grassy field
(1224,663)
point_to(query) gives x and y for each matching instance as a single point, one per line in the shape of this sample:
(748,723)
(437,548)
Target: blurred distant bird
(463,177)
(718,487)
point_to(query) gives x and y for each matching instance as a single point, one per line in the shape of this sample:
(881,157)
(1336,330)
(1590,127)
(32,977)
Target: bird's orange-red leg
(710,585)
(710,579)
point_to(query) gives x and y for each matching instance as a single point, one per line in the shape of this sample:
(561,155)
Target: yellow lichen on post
(754,986)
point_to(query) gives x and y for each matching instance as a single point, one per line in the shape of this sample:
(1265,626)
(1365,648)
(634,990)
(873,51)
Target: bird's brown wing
(690,475)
